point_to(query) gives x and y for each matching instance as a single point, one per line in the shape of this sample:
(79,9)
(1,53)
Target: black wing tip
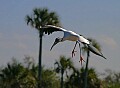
(104,57)
(50,49)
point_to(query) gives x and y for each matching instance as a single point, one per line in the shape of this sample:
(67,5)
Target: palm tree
(13,76)
(38,19)
(76,79)
(96,45)
(50,79)
(62,65)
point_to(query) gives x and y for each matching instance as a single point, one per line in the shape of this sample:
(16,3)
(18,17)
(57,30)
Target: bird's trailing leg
(81,58)
(73,51)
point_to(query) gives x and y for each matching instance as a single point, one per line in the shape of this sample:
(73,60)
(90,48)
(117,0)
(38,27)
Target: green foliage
(42,17)
(112,79)
(76,79)
(24,75)
(12,75)
(49,79)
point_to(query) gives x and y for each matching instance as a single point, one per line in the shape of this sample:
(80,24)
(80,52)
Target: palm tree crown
(41,17)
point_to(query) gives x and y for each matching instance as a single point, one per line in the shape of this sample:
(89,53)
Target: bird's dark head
(57,40)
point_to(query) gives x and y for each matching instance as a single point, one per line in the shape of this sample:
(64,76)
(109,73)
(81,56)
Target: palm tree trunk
(40,60)
(86,70)
(62,71)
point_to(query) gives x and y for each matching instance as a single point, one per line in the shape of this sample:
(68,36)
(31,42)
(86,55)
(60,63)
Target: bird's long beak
(53,44)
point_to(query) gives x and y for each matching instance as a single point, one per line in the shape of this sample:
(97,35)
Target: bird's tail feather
(104,57)
(95,51)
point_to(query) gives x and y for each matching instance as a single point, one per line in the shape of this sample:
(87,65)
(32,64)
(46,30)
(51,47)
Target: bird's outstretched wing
(49,29)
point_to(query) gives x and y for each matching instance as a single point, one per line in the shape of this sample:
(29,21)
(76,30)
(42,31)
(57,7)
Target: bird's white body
(71,36)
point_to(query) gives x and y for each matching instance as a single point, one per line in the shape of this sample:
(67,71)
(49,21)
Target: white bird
(71,36)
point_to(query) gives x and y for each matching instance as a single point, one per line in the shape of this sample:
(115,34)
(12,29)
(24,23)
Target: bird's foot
(81,59)
(73,53)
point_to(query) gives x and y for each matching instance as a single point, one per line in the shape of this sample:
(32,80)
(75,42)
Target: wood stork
(71,36)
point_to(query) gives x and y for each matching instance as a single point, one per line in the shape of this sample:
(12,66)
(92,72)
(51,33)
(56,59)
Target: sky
(97,19)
